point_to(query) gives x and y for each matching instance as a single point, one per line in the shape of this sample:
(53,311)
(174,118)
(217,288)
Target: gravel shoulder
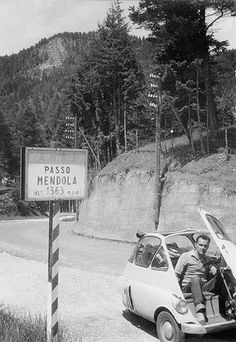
(89,304)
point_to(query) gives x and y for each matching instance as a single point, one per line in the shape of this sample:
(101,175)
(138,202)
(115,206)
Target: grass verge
(15,328)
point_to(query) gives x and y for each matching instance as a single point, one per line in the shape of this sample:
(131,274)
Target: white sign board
(51,174)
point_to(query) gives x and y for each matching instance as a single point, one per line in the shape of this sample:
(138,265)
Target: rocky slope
(121,201)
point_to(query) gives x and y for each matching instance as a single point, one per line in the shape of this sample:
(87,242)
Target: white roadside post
(51,174)
(53,270)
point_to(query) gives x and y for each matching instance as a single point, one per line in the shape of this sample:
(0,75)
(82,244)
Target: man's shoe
(200,307)
(201,318)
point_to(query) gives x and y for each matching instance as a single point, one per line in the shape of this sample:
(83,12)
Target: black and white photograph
(117,170)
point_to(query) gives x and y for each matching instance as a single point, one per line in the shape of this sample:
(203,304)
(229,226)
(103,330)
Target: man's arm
(180,266)
(211,268)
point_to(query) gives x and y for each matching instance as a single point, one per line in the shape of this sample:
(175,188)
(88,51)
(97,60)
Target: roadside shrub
(12,205)
(7,205)
(29,329)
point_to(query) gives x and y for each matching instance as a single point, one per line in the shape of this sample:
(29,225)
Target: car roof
(189,231)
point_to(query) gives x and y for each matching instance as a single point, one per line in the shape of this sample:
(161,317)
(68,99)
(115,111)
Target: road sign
(50,174)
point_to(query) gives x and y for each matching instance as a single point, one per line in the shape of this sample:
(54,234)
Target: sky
(24,23)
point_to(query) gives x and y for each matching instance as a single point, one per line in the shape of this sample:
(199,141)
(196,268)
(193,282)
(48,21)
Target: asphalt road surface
(29,239)
(89,303)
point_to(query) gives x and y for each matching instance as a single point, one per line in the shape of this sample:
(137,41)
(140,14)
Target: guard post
(51,174)
(53,268)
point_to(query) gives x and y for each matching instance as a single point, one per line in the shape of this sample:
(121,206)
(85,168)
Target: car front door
(221,238)
(153,279)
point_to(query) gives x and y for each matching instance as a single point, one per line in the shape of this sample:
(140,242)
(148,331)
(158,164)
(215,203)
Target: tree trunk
(110,154)
(211,108)
(157,188)
(175,112)
(198,115)
(125,124)
(116,116)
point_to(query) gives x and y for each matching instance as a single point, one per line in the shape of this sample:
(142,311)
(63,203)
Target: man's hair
(203,237)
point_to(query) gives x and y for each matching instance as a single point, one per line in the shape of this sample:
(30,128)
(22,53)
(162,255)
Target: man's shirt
(189,264)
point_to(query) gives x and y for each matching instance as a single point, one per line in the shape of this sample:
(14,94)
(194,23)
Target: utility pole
(77,201)
(70,128)
(72,131)
(75,131)
(156,95)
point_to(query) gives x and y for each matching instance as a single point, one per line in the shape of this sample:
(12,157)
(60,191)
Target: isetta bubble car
(149,286)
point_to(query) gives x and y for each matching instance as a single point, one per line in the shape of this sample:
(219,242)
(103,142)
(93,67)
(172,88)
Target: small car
(149,286)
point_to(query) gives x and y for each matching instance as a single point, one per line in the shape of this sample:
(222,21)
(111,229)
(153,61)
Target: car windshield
(218,228)
(145,250)
(176,245)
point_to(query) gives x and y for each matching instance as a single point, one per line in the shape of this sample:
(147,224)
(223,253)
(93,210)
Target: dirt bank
(121,201)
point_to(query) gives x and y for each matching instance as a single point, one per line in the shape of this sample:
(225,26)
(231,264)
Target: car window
(177,245)
(146,249)
(160,262)
(132,256)
(218,228)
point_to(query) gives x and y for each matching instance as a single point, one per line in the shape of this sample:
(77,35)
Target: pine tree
(6,158)
(181,33)
(107,84)
(29,130)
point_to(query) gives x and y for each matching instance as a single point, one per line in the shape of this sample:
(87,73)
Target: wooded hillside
(101,82)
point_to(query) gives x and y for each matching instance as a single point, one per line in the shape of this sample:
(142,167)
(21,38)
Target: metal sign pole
(53,263)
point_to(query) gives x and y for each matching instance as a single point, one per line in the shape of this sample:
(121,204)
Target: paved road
(90,269)
(29,239)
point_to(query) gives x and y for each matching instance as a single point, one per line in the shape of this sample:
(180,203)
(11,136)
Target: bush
(31,329)
(12,205)
(7,205)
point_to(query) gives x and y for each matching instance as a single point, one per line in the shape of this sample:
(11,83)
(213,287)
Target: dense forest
(110,84)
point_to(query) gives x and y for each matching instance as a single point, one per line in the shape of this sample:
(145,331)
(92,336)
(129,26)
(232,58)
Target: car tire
(168,329)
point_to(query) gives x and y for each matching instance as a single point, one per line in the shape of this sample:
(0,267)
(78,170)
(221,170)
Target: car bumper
(198,329)
(193,328)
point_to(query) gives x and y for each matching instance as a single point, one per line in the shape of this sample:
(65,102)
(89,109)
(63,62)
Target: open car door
(221,238)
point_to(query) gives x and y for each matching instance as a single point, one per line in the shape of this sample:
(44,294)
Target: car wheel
(168,329)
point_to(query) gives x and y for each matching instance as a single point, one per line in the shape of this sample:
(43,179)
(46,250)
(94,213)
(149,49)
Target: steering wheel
(213,262)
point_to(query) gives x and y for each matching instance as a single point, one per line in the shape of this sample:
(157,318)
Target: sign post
(50,174)
(53,263)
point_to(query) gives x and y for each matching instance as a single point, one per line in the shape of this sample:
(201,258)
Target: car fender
(124,289)
(156,298)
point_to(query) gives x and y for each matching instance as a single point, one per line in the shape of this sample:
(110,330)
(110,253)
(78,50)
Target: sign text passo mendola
(60,181)
(53,174)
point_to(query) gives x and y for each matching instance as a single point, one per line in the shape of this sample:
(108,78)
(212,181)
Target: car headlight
(180,305)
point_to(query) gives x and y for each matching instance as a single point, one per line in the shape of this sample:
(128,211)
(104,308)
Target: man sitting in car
(196,274)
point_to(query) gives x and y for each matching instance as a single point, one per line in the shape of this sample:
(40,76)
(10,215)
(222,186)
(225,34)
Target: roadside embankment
(121,201)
